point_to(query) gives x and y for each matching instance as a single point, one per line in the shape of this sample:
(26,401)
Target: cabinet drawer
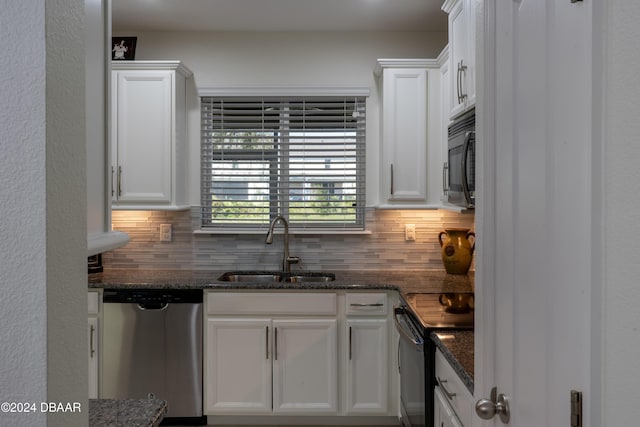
(450,384)
(366,303)
(93,302)
(271,303)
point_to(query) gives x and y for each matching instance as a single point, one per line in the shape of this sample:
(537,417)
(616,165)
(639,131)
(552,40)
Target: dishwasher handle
(152,306)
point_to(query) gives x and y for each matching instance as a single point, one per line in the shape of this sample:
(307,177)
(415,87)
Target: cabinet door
(142,135)
(462,52)
(404,134)
(238,366)
(93,353)
(443,414)
(305,366)
(367,365)
(445,100)
(458,58)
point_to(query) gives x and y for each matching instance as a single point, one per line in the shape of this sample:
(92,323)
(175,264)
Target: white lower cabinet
(452,400)
(93,343)
(367,366)
(285,365)
(238,365)
(367,351)
(444,414)
(305,366)
(297,354)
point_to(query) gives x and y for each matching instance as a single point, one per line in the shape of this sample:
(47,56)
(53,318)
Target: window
(303,158)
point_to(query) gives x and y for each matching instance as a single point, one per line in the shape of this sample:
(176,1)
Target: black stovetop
(442,310)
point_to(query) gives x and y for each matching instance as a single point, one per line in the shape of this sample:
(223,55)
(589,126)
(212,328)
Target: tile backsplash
(385,248)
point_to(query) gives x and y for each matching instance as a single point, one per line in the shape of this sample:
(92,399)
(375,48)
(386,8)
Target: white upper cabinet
(462,55)
(410,128)
(148,146)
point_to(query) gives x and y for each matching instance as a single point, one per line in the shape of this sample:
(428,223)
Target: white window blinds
(303,158)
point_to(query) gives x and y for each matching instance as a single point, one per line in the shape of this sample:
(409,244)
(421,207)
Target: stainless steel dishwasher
(152,347)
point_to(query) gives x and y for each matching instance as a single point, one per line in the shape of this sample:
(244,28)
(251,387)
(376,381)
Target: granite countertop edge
(126,412)
(458,350)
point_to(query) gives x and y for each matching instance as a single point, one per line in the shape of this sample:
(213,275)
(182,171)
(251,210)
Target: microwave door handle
(465,156)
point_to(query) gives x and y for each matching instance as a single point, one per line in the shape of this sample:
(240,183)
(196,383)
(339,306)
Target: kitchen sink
(311,277)
(261,277)
(278,276)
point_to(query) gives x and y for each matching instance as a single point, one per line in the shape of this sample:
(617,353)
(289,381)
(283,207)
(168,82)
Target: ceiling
(278,15)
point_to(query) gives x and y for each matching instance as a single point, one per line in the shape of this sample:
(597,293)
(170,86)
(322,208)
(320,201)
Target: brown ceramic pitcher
(457,249)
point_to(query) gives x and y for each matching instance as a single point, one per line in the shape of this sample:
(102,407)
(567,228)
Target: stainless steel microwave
(459,171)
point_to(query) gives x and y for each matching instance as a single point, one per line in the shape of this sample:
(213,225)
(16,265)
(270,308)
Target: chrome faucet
(286,259)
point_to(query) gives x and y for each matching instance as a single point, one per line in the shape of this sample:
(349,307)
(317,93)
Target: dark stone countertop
(427,281)
(458,348)
(126,412)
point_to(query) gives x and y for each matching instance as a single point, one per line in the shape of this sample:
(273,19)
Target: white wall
(298,59)
(621,245)
(42,210)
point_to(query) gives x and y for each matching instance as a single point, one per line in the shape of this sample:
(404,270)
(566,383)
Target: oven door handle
(417,342)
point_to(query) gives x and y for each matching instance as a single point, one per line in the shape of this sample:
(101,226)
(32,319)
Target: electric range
(416,317)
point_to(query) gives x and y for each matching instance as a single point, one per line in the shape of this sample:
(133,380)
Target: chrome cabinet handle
(275,344)
(358,304)
(119,181)
(113,187)
(446,392)
(392,179)
(445,176)
(266,343)
(461,69)
(350,342)
(92,350)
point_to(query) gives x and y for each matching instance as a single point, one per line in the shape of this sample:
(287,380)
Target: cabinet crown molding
(381,64)
(173,65)
(448,5)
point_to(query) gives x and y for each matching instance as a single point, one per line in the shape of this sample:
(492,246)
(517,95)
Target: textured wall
(42,210)
(23,352)
(384,248)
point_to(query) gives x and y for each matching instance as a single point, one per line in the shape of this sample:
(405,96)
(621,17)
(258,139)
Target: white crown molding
(447,6)
(381,64)
(172,65)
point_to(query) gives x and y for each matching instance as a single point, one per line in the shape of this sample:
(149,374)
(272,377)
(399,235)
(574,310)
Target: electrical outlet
(410,232)
(165,232)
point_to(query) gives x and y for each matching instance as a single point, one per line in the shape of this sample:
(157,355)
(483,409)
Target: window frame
(279,204)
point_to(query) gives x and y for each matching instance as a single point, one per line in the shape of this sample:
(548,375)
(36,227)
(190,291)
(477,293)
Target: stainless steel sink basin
(261,277)
(311,277)
(277,276)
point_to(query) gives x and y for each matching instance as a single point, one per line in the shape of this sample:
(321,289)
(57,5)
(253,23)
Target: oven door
(411,365)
